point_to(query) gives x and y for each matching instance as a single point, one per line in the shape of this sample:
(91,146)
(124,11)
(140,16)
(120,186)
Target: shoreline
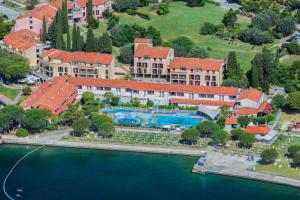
(244,174)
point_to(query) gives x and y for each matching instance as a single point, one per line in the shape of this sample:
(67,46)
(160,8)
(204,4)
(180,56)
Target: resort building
(160,63)
(53,95)
(33,19)
(196,71)
(150,61)
(24,43)
(54,63)
(160,93)
(77,9)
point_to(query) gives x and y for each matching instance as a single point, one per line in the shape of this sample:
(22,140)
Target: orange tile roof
(82,3)
(135,85)
(22,39)
(230,120)
(245,111)
(58,4)
(143,50)
(252,94)
(197,63)
(257,130)
(51,95)
(68,57)
(264,107)
(201,102)
(141,40)
(40,11)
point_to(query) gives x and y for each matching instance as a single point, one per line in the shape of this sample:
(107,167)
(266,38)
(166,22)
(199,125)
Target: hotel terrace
(54,63)
(159,62)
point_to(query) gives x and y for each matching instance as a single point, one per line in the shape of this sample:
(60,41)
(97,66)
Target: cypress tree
(78,40)
(52,33)
(65,25)
(44,31)
(233,67)
(90,41)
(68,48)
(104,44)
(92,22)
(59,34)
(255,77)
(74,38)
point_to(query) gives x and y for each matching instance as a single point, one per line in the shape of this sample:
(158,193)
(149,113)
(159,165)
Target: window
(154,65)
(160,65)
(107,89)
(211,96)
(145,65)
(136,91)
(172,93)
(31,27)
(139,64)
(213,84)
(84,14)
(66,69)
(60,69)
(207,78)
(202,95)
(97,12)
(128,90)
(180,94)
(214,78)
(150,92)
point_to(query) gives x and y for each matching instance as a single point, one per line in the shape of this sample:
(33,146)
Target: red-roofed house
(250,98)
(53,95)
(231,123)
(150,61)
(196,71)
(257,130)
(54,63)
(24,43)
(33,19)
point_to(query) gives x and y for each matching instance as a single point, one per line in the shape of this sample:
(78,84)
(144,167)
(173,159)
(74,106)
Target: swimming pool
(154,118)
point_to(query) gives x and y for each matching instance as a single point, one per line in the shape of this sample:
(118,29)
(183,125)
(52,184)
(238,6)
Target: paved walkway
(7,101)
(10,13)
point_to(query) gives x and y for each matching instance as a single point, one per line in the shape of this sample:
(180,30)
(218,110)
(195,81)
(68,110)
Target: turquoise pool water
(154,119)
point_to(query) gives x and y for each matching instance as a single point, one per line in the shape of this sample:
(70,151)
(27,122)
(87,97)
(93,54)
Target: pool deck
(217,163)
(239,166)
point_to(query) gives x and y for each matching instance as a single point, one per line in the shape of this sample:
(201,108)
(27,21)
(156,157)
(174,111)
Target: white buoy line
(12,169)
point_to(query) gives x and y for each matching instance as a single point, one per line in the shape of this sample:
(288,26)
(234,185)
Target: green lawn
(186,21)
(10,93)
(284,170)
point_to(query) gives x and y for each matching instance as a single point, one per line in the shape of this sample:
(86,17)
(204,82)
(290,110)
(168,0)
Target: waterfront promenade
(217,163)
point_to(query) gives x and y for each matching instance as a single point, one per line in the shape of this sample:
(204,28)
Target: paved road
(10,13)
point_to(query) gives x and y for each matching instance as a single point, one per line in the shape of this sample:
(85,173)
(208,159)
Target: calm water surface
(61,173)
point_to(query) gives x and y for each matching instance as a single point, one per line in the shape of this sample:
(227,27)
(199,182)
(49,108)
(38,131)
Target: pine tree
(44,31)
(90,41)
(78,40)
(104,44)
(65,25)
(59,35)
(68,48)
(74,38)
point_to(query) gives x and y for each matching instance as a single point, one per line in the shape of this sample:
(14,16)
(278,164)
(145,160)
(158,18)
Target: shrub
(22,132)
(269,155)
(26,90)
(208,29)
(294,48)
(195,3)
(163,9)
(255,36)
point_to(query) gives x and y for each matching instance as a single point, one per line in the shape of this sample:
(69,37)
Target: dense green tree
(181,45)
(64,17)
(60,44)
(44,36)
(190,136)
(113,20)
(71,113)
(220,136)
(104,43)
(208,29)
(293,150)
(30,4)
(277,101)
(89,103)
(126,54)
(13,66)
(135,103)
(233,69)
(154,34)
(35,120)
(79,43)
(198,52)
(195,3)
(26,90)
(92,22)
(14,114)
(80,125)
(255,36)
(22,132)
(294,48)
(68,47)
(102,124)
(123,5)
(247,140)
(265,20)
(110,98)
(286,25)
(269,155)
(90,41)
(74,38)
(230,18)
(236,133)
(207,128)
(52,31)
(4,123)
(5,27)
(296,159)
(244,121)
(293,100)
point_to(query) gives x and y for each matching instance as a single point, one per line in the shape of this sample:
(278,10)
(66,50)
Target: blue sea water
(61,173)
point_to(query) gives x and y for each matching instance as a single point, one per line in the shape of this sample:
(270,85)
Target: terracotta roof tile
(252,94)
(68,57)
(230,120)
(143,50)
(58,4)
(51,95)
(40,11)
(82,3)
(245,111)
(202,102)
(257,130)
(155,86)
(197,63)
(265,107)
(141,40)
